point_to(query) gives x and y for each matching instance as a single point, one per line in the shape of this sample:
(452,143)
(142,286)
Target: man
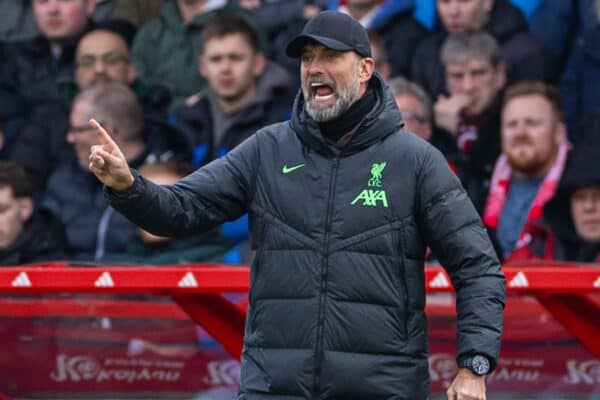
(27,234)
(475,78)
(394,21)
(74,196)
(534,152)
(102,56)
(166,48)
(415,108)
(570,229)
(36,65)
(526,58)
(380,56)
(342,203)
(244,93)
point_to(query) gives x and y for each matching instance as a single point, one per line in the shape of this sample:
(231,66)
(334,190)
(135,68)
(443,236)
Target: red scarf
(499,189)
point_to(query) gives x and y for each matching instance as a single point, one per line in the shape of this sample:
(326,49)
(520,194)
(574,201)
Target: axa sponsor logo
(84,368)
(582,372)
(372,197)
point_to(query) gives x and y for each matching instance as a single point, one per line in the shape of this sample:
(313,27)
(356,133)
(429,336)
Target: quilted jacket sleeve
(213,194)
(453,229)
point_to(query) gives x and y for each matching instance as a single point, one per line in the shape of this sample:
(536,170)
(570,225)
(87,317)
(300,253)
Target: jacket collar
(383,120)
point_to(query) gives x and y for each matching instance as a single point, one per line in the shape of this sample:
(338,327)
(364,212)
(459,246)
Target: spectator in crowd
(415,108)
(27,234)
(281,21)
(102,56)
(380,56)
(244,93)
(165,49)
(580,83)
(570,230)
(475,78)
(12,116)
(160,250)
(393,21)
(17,22)
(35,66)
(74,195)
(534,153)
(525,56)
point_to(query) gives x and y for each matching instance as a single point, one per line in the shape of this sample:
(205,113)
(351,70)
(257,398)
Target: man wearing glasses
(102,56)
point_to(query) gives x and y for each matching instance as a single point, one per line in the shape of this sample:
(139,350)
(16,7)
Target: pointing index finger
(102,134)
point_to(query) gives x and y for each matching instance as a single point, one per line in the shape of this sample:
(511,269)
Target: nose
(590,203)
(53,6)
(225,65)
(314,67)
(454,9)
(468,84)
(99,66)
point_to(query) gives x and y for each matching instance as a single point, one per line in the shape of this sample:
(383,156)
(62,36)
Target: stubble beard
(345,97)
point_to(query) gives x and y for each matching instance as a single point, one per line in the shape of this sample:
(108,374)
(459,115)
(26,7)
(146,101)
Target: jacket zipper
(324,262)
(401,253)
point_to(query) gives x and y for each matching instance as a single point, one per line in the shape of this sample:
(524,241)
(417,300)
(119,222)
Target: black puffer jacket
(337,298)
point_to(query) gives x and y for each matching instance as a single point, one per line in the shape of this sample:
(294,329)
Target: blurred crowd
(507,90)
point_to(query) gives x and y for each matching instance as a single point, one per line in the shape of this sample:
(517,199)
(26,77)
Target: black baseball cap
(334,30)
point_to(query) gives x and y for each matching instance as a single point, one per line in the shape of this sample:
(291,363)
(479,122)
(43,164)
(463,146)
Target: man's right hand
(447,110)
(107,161)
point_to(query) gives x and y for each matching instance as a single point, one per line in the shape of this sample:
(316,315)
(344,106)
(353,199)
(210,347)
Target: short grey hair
(114,104)
(403,87)
(462,46)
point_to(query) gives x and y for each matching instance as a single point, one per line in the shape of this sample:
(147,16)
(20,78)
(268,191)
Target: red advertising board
(97,353)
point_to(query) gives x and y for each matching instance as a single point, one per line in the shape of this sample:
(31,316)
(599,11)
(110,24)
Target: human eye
(86,61)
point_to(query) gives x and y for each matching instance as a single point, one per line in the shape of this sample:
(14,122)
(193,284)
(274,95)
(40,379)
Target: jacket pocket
(255,272)
(400,261)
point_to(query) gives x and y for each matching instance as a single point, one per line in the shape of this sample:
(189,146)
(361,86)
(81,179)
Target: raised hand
(107,161)
(447,110)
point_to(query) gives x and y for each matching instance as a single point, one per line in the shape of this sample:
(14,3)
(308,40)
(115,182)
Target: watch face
(481,365)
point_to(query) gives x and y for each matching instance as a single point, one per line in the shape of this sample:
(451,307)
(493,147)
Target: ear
(202,66)
(25,208)
(260,64)
(131,74)
(367,67)
(561,133)
(501,75)
(487,5)
(90,6)
(385,71)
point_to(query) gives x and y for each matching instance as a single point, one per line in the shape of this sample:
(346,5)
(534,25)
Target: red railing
(569,292)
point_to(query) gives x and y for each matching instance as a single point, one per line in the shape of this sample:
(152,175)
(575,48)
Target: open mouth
(321,91)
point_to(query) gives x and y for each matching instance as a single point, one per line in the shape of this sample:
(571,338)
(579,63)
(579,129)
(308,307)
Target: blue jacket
(580,82)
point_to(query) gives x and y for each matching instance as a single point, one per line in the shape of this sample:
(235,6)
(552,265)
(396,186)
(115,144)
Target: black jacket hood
(383,120)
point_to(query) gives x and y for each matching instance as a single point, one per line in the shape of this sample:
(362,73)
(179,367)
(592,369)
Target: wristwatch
(478,364)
